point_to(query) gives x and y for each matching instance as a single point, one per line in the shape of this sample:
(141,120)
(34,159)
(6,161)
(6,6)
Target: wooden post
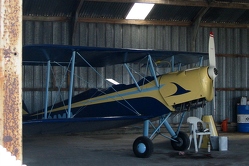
(11,76)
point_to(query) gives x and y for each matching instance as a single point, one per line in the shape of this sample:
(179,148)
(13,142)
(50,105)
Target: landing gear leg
(179,139)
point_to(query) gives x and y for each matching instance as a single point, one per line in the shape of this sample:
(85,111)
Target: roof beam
(45,18)
(233,55)
(164,23)
(232,89)
(234,5)
(224,25)
(200,3)
(137,22)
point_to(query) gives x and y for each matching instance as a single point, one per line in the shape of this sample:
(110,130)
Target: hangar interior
(171,25)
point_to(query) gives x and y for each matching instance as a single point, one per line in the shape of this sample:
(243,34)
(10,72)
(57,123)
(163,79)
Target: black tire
(143,147)
(181,143)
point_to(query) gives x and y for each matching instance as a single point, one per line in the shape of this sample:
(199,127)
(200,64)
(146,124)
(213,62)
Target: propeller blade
(212,70)
(212,61)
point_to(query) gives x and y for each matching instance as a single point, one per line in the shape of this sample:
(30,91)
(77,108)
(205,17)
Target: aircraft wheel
(182,142)
(143,147)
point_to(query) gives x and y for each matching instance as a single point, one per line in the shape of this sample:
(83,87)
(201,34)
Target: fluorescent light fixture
(112,81)
(139,11)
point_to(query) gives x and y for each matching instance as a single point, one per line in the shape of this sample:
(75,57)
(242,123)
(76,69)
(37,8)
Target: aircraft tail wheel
(143,147)
(180,143)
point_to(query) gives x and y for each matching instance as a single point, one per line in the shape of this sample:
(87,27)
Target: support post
(11,76)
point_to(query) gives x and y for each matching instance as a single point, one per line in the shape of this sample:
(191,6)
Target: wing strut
(127,68)
(179,66)
(132,108)
(71,86)
(172,63)
(201,61)
(47,87)
(152,70)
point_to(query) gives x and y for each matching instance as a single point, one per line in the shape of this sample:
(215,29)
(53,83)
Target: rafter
(196,24)
(74,21)
(137,22)
(164,2)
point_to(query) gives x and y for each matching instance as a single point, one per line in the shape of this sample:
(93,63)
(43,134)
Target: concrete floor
(107,149)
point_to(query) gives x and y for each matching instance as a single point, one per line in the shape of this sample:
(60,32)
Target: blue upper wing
(100,56)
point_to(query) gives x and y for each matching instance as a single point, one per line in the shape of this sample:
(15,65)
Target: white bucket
(223,143)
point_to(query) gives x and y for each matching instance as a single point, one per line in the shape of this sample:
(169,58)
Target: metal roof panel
(105,10)
(173,13)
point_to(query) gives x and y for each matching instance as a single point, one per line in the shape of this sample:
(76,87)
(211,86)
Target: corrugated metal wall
(233,72)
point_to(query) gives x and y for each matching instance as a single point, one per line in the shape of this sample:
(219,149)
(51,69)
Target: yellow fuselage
(196,82)
(174,88)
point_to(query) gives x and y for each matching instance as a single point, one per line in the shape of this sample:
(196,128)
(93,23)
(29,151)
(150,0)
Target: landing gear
(143,147)
(181,142)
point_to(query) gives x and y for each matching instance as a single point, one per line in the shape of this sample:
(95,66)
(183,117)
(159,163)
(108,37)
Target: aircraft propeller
(212,70)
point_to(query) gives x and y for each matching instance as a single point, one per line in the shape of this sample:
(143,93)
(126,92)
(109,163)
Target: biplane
(154,95)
